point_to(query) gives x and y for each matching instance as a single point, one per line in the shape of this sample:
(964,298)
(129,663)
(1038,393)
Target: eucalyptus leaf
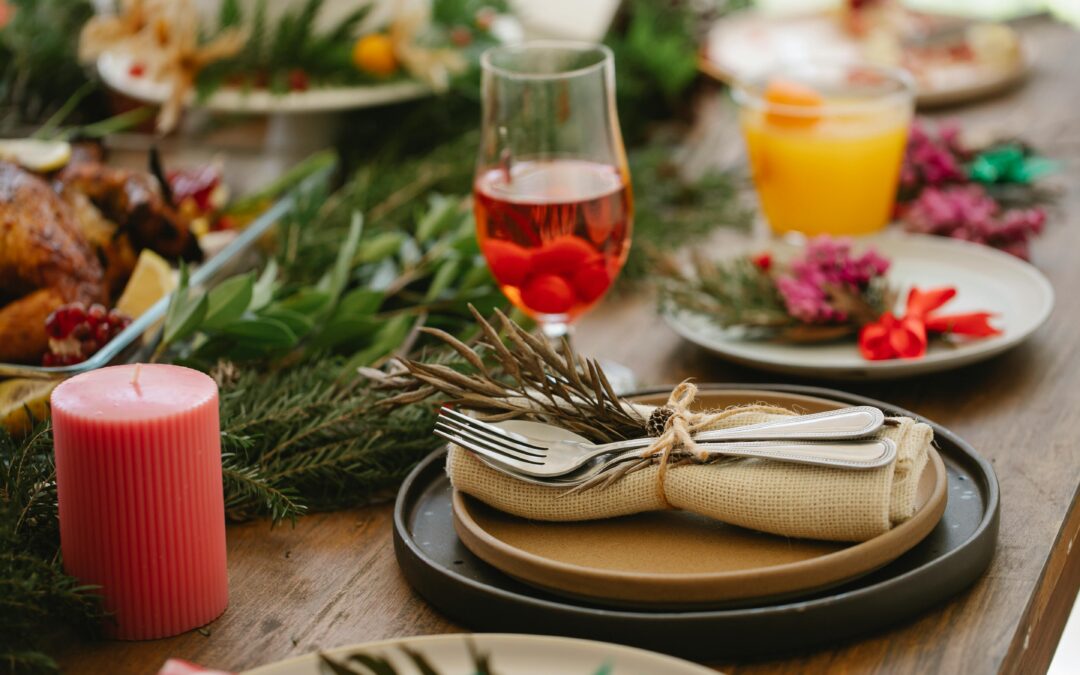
(297,322)
(380,247)
(262,331)
(228,301)
(359,302)
(444,276)
(389,337)
(185,312)
(439,217)
(410,252)
(345,331)
(263,291)
(306,301)
(333,282)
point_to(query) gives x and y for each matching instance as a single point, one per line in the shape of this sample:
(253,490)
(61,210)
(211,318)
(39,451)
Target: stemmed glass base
(619,376)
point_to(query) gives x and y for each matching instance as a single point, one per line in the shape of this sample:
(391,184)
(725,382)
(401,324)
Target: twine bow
(678,432)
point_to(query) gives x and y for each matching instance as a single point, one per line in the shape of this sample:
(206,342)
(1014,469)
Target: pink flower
(967,212)
(826,262)
(931,160)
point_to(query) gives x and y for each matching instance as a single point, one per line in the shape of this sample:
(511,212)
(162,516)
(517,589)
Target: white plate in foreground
(510,655)
(985,280)
(115,70)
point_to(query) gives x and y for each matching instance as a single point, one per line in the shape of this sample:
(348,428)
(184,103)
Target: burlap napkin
(791,500)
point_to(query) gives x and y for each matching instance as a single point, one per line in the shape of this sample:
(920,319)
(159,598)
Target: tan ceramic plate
(675,559)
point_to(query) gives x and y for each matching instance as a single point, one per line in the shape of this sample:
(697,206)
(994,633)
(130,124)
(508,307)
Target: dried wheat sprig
(529,379)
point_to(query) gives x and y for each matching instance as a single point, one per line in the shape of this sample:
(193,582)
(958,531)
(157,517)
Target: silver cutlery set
(548,455)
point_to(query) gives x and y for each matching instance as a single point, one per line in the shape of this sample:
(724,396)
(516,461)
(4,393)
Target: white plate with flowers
(990,302)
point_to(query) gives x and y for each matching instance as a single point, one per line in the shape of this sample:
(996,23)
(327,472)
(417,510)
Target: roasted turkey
(45,261)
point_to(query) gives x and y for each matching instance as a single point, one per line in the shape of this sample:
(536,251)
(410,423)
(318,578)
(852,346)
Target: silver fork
(867,454)
(536,455)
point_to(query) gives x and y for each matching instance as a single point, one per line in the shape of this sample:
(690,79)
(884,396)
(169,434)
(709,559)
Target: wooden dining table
(333,580)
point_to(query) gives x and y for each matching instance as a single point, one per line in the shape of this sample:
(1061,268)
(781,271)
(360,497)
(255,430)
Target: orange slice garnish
(792,95)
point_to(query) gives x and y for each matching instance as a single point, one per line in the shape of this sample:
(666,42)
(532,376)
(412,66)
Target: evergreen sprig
(301,439)
(35,593)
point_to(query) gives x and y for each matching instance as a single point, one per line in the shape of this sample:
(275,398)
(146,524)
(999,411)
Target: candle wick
(135,377)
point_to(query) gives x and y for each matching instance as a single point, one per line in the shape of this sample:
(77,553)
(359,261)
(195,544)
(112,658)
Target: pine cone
(658,420)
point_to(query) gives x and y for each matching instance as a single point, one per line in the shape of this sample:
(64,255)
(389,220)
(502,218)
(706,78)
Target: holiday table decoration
(138,476)
(556,386)
(982,192)
(825,292)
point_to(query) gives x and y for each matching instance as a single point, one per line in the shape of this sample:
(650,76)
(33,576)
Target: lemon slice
(34,154)
(18,395)
(151,280)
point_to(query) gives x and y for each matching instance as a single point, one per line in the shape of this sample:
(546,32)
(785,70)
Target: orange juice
(825,165)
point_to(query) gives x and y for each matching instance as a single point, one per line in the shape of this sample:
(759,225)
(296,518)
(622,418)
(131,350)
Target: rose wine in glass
(555,233)
(552,199)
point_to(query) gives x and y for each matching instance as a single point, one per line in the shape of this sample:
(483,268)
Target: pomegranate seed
(102,332)
(49,360)
(67,317)
(52,325)
(97,313)
(81,331)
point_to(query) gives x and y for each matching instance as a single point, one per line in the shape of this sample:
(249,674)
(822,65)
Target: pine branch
(35,593)
(300,439)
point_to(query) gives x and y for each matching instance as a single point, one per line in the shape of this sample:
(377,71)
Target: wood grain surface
(333,579)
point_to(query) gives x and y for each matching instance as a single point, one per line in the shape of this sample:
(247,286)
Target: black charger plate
(482,598)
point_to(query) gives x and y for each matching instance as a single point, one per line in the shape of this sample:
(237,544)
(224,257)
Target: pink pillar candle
(142,514)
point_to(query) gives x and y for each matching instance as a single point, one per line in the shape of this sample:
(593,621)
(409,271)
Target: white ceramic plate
(746,44)
(510,655)
(985,280)
(115,68)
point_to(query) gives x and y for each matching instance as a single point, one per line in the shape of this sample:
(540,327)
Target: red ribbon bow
(906,337)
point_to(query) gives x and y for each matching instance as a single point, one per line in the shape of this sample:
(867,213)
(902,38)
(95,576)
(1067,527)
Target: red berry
(563,255)
(591,282)
(762,261)
(298,80)
(548,294)
(96,314)
(509,263)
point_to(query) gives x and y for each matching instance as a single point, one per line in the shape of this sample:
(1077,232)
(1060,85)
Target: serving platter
(746,44)
(509,654)
(986,279)
(115,71)
(480,597)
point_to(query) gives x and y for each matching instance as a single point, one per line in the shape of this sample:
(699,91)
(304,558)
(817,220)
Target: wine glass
(552,199)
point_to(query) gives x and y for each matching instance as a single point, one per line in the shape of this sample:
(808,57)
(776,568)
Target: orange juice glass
(825,144)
